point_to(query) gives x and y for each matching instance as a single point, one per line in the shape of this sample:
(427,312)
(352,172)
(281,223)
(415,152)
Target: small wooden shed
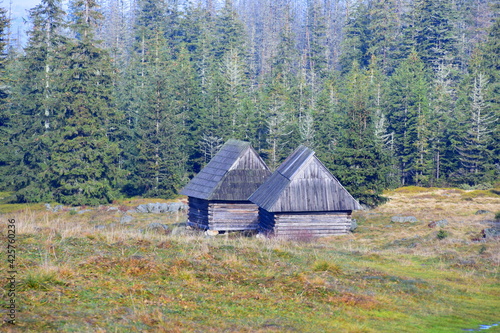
(218,194)
(302,198)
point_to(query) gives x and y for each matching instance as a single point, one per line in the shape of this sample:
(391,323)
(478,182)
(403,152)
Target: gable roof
(234,173)
(303,184)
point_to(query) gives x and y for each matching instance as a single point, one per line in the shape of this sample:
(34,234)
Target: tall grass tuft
(40,280)
(324,266)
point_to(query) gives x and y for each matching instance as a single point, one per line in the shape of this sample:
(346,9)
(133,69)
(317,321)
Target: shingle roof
(303,183)
(234,173)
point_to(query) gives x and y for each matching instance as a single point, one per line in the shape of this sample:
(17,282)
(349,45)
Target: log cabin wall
(266,222)
(222,215)
(317,224)
(198,213)
(233,216)
(293,225)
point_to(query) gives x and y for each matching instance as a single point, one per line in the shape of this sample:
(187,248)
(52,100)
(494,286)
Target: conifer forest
(120,98)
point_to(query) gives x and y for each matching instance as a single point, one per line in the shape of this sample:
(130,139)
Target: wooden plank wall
(296,225)
(249,160)
(198,213)
(222,216)
(232,216)
(266,222)
(314,189)
(312,224)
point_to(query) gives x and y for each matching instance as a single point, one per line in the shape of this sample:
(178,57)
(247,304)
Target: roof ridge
(294,161)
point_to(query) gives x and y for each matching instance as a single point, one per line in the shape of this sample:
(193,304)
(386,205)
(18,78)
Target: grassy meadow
(90,273)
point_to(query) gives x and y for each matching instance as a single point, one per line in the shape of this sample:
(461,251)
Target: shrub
(467,187)
(442,234)
(497,216)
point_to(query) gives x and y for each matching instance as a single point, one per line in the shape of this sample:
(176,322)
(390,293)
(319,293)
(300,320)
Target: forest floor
(87,272)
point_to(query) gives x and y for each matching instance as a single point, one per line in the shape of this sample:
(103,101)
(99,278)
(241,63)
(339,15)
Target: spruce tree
(35,103)
(316,50)
(84,160)
(429,30)
(384,33)
(478,143)
(443,123)
(490,66)
(408,117)
(162,115)
(475,150)
(354,47)
(224,78)
(228,32)
(359,160)
(5,114)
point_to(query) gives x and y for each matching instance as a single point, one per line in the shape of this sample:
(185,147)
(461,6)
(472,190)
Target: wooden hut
(302,198)
(218,195)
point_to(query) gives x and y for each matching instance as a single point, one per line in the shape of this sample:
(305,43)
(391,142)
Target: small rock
(404,219)
(57,208)
(130,211)
(482,211)
(136,257)
(211,233)
(154,208)
(84,211)
(112,209)
(491,233)
(157,227)
(440,224)
(126,219)
(354,225)
(48,207)
(158,207)
(100,227)
(176,206)
(466,262)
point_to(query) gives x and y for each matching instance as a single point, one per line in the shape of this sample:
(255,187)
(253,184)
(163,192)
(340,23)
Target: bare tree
(210,145)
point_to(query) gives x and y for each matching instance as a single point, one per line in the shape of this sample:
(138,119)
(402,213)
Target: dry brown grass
(435,204)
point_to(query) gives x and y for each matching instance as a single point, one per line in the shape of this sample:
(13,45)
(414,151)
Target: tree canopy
(115,98)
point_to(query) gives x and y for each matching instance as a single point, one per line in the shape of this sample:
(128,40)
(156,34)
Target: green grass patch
(12,208)
(324,266)
(39,281)
(413,189)
(480,194)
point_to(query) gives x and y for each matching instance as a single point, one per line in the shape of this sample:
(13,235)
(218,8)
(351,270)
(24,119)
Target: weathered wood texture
(310,224)
(233,174)
(303,184)
(222,215)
